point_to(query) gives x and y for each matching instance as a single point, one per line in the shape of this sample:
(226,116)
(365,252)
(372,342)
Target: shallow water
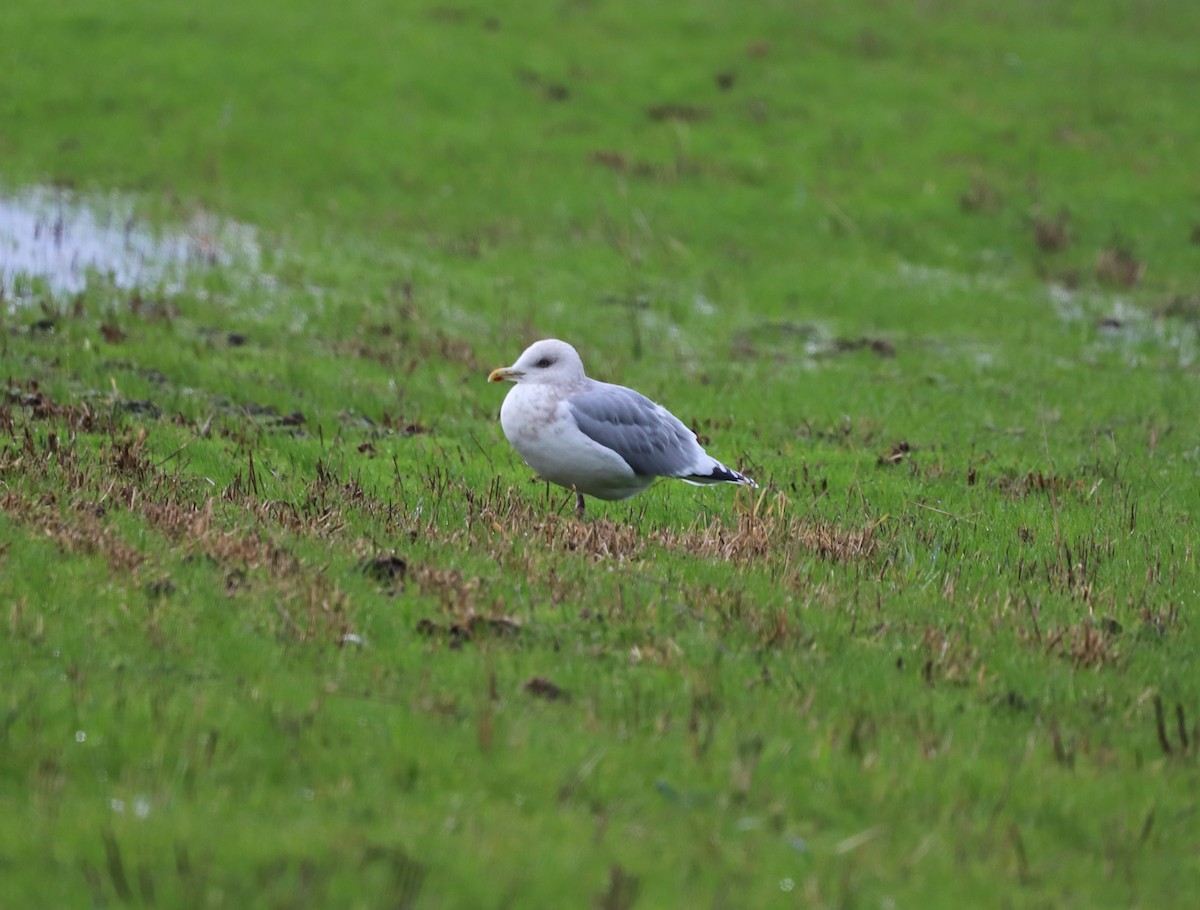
(55,242)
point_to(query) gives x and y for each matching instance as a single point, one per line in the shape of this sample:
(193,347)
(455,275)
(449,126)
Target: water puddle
(53,242)
(1168,335)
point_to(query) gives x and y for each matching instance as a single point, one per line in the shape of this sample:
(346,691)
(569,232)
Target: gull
(596,438)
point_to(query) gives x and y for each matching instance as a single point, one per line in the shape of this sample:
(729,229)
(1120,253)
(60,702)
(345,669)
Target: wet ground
(56,242)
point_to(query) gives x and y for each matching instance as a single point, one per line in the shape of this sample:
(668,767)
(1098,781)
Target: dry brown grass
(72,498)
(769,528)
(754,530)
(74,527)
(1052,233)
(1119,266)
(30,399)
(760,530)
(253,540)
(1019,486)
(950,658)
(1084,644)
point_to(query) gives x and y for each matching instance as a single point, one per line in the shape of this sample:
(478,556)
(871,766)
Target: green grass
(927,272)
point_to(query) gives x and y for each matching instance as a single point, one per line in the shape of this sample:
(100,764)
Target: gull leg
(579,505)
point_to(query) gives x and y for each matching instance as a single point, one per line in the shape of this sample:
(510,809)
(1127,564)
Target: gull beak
(509,373)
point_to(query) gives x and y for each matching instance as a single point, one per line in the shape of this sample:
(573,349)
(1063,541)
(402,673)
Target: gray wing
(652,440)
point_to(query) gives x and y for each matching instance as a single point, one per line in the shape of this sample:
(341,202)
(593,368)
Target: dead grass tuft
(456,592)
(1052,234)
(771,531)
(1020,486)
(1118,265)
(69,498)
(40,406)
(79,527)
(894,455)
(602,539)
(128,457)
(469,627)
(757,531)
(1180,307)
(981,197)
(950,658)
(1085,644)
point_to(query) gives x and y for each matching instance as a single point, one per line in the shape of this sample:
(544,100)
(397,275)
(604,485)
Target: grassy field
(288,624)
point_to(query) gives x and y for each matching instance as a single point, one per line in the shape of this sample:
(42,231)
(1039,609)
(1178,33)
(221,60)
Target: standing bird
(596,438)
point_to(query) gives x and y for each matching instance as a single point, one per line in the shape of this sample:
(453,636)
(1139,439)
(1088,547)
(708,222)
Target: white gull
(596,438)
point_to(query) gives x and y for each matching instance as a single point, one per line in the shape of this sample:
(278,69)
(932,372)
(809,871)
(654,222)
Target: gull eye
(543,363)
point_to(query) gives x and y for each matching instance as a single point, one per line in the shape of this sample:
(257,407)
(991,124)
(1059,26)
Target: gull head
(546,362)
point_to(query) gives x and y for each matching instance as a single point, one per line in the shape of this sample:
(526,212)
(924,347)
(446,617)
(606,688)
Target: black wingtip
(722,474)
